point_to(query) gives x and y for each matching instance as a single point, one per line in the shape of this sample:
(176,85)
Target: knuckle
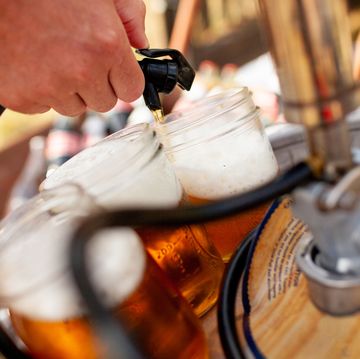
(109,41)
(82,73)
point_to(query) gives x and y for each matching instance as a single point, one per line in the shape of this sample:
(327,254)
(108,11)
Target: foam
(116,258)
(226,166)
(82,163)
(154,185)
(111,172)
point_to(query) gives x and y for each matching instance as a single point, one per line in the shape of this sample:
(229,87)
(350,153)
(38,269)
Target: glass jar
(129,169)
(45,309)
(218,148)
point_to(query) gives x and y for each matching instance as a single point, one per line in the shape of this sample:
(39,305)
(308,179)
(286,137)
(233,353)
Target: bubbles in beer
(224,168)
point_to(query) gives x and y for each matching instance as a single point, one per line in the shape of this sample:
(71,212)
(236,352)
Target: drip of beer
(158,115)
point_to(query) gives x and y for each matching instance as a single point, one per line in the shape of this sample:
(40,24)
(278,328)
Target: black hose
(195,214)
(8,348)
(227,299)
(109,329)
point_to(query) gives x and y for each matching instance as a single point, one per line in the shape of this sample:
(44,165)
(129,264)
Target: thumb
(132,15)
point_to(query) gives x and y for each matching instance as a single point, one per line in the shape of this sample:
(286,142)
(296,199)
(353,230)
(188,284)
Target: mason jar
(218,148)
(45,309)
(129,169)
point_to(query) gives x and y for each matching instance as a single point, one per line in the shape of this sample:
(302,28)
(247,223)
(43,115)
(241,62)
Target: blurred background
(222,40)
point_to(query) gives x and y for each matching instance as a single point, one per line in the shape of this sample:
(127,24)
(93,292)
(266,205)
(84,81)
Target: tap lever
(186,73)
(162,75)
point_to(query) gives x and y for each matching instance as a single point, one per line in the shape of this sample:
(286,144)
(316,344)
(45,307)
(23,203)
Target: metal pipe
(310,42)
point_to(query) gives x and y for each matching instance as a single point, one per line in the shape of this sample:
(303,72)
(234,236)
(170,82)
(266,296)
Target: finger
(128,80)
(132,14)
(24,106)
(72,105)
(125,76)
(99,97)
(31,109)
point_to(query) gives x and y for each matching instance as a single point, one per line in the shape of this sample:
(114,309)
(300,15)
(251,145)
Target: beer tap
(162,75)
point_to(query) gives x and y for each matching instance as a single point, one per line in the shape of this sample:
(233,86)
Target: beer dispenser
(310,45)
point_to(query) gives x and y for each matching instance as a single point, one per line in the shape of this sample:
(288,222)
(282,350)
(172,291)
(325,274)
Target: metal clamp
(330,258)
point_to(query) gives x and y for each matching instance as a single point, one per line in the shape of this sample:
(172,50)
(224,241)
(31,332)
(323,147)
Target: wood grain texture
(284,322)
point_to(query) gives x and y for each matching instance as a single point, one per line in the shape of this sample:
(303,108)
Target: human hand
(70,55)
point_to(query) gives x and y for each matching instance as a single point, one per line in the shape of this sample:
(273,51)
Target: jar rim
(247,119)
(43,201)
(234,97)
(140,135)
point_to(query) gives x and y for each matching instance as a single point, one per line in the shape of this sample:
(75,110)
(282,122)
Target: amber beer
(130,169)
(227,233)
(236,177)
(218,149)
(190,260)
(51,322)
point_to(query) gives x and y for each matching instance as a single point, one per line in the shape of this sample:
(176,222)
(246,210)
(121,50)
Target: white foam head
(39,275)
(123,170)
(34,263)
(225,165)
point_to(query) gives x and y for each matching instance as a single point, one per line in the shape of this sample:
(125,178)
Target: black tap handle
(186,73)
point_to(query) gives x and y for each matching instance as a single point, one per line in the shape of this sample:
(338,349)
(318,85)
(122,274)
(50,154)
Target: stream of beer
(158,115)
